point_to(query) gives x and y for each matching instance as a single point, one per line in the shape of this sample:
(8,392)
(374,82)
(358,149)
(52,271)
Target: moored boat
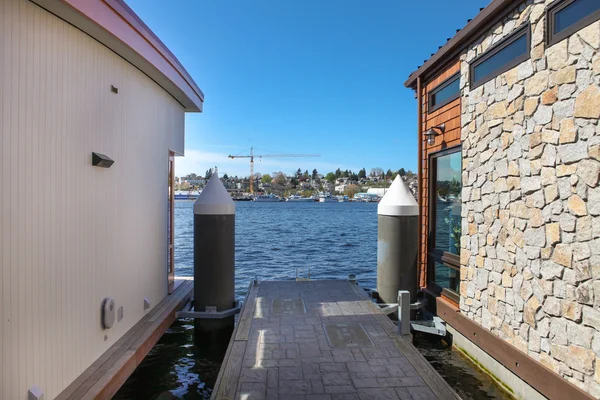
(298,198)
(267,198)
(186,195)
(327,198)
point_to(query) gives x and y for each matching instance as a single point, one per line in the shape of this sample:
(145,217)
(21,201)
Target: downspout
(419,179)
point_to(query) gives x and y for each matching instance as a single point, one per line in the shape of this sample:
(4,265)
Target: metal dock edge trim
(252,291)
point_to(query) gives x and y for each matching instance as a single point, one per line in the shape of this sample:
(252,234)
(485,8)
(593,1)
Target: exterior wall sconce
(102,161)
(431,134)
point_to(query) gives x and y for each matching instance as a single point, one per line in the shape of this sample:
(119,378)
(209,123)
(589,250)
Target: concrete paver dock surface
(321,340)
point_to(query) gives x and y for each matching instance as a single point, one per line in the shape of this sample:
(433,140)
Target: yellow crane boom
(252,155)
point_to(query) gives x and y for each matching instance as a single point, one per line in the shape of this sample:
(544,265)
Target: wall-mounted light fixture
(431,134)
(102,161)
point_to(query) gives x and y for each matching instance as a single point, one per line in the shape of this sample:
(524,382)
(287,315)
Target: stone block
(552,306)
(543,114)
(586,104)
(550,96)
(564,75)
(550,193)
(537,84)
(531,105)
(563,255)
(589,171)
(577,206)
(572,310)
(568,131)
(557,56)
(552,234)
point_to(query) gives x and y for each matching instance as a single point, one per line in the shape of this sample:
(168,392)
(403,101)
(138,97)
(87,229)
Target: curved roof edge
(485,19)
(115,25)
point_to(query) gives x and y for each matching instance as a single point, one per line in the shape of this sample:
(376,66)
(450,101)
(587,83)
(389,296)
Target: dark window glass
(448,189)
(449,91)
(573,13)
(503,57)
(446,277)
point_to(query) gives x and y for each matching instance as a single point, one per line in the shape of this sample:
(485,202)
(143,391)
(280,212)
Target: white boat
(366,197)
(343,199)
(186,195)
(327,198)
(267,198)
(298,198)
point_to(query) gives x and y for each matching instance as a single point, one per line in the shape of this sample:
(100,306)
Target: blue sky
(303,76)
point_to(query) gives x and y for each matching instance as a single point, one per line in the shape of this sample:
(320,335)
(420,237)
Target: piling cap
(398,200)
(214,199)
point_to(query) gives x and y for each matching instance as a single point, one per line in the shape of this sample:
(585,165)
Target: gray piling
(397,238)
(214,248)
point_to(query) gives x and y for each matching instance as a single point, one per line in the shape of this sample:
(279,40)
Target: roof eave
(488,16)
(115,25)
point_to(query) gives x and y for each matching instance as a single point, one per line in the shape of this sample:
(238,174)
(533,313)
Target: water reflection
(469,382)
(184,364)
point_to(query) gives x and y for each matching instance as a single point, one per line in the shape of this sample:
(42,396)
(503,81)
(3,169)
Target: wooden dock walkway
(321,340)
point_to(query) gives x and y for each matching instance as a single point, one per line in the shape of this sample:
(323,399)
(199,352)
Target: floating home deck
(321,340)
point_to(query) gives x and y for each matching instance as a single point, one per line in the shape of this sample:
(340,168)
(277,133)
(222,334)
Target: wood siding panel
(70,233)
(450,115)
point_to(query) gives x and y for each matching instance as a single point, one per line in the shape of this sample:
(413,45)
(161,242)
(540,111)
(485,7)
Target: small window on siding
(506,54)
(566,17)
(444,93)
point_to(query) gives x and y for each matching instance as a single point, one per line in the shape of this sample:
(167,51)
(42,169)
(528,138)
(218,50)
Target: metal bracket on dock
(210,313)
(433,326)
(300,279)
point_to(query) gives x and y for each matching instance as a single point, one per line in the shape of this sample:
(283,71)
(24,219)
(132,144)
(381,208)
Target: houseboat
(299,199)
(327,198)
(94,99)
(509,194)
(264,198)
(186,195)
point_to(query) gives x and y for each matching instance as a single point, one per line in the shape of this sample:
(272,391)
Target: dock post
(397,238)
(214,254)
(404,312)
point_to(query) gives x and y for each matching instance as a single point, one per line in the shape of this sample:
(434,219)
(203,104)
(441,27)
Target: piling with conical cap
(397,239)
(214,248)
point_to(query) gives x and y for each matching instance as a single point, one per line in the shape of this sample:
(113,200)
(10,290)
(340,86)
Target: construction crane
(252,155)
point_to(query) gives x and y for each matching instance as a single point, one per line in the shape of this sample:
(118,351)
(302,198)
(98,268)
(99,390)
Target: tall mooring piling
(214,258)
(397,236)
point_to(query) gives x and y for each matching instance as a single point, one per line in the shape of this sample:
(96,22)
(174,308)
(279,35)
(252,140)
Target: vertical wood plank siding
(70,233)
(449,115)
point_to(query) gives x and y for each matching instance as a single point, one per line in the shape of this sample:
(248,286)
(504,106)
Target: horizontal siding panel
(453,107)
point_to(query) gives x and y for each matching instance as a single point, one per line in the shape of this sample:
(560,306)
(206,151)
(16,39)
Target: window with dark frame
(445,222)
(504,55)
(565,17)
(444,93)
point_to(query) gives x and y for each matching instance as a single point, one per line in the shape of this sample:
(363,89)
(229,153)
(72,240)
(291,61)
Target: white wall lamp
(431,134)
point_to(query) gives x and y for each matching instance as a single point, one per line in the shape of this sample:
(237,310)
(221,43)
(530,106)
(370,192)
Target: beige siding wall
(70,233)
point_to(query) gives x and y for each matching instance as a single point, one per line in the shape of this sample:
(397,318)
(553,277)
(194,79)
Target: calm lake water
(272,240)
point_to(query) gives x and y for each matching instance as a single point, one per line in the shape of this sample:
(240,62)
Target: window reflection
(448,189)
(446,277)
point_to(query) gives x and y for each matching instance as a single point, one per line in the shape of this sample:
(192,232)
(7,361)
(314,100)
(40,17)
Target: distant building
(196,182)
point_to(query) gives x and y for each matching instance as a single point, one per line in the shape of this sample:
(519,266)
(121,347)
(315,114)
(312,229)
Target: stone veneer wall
(530,257)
